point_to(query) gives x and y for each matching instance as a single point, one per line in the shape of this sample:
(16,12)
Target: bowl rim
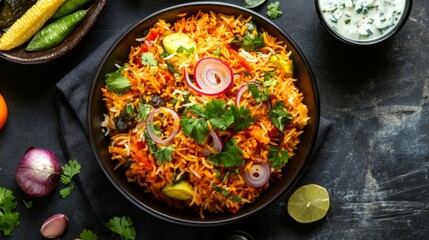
(238,216)
(407,11)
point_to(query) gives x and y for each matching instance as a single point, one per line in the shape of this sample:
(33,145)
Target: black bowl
(362,42)
(118,54)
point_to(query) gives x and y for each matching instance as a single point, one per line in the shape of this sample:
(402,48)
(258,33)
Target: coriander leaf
(242,119)
(116,82)
(197,129)
(65,192)
(184,50)
(198,109)
(218,116)
(231,156)
(88,235)
(9,219)
(27,203)
(221,190)
(274,10)
(278,115)
(234,198)
(70,169)
(277,157)
(252,42)
(257,93)
(164,154)
(123,226)
(143,111)
(148,59)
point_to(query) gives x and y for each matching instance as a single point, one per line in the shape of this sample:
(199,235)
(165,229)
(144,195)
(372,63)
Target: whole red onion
(38,172)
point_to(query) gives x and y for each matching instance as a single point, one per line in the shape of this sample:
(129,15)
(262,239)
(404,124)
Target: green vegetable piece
(88,235)
(274,10)
(70,6)
(116,82)
(148,59)
(253,3)
(123,226)
(181,191)
(9,219)
(174,41)
(54,33)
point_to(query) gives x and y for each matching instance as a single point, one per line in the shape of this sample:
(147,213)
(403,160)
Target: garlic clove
(54,226)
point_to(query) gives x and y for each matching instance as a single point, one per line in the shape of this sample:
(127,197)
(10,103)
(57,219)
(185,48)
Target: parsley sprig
(219,115)
(123,226)
(70,169)
(9,219)
(231,156)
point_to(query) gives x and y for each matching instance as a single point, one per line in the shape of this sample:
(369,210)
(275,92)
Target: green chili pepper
(69,6)
(55,32)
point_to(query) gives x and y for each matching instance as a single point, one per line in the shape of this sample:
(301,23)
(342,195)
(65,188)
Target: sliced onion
(217,144)
(212,77)
(242,89)
(258,174)
(38,172)
(149,125)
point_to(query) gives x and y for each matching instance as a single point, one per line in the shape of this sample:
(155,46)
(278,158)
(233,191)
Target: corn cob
(28,25)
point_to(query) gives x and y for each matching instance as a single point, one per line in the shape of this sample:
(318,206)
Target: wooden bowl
(20,55)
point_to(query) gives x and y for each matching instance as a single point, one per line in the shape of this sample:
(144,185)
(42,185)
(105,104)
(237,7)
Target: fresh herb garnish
(65,192)
(252,41)
(195,128)
(242,118)
(9,219)
(70,169)
(143,110)
(278,115)
(277,157)
(116,82)
(88,235)
(274,10)
(184,50)
(148,59)
(123,226)
(259,94)
(162,154)
(231,156)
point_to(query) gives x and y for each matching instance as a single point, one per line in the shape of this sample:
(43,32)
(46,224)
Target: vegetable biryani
(205,113)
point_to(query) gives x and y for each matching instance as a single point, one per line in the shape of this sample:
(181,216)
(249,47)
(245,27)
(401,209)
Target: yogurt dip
(362,20)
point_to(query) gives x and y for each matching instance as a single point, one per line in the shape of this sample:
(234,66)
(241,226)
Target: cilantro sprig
(279,115)
(9,218)
(219,115)
(116,82)
(230,157)
(273,10)
(70,169)
(277,157)
(123,226)
(88,235)
(162,154)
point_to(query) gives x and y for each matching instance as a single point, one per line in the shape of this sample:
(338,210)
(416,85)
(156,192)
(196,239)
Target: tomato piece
(152,35)
(3,112)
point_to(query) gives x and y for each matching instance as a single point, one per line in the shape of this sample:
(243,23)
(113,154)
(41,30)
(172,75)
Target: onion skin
(38,172)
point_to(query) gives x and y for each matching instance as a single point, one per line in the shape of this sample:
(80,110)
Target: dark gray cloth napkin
(103,200)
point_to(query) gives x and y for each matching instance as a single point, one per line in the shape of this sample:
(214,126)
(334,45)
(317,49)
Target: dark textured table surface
(374,161)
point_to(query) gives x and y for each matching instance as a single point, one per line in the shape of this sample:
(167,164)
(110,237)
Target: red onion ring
(149,125)
(212,77)
(258,174)
(242,89)
(217,144)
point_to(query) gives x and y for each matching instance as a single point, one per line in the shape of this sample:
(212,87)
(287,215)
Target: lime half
(252,3)
(308,203)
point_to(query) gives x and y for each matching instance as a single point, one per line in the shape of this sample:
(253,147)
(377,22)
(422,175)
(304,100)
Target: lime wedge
(252,3)
(308,203)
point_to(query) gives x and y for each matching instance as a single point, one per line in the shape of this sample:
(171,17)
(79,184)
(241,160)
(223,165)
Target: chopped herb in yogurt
(362,19)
